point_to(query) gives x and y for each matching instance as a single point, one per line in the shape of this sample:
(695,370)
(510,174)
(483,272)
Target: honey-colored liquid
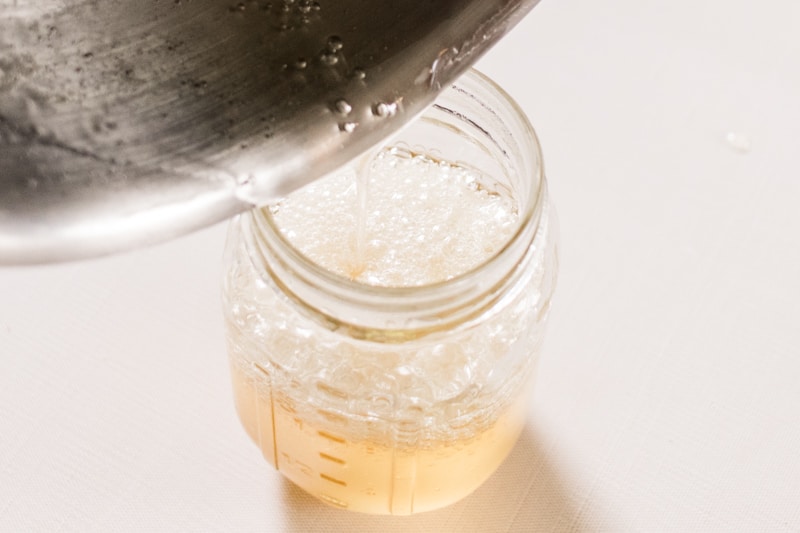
(453,404)
(366,476)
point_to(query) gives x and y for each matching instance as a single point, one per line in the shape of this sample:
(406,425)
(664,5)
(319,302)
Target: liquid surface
(408,220)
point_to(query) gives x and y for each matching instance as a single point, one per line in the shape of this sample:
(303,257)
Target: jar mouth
(457,298)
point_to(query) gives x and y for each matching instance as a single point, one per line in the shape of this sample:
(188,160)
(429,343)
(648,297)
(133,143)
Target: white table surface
(669,389)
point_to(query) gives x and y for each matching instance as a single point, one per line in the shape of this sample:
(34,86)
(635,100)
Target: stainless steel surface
(125,122)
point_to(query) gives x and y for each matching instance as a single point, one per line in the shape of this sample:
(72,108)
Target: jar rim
(400,313)
(529,217)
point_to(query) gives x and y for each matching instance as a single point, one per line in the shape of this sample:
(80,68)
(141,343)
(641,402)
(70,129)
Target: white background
(669,390)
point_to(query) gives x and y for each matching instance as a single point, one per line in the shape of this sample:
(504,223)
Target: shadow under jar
(384,323)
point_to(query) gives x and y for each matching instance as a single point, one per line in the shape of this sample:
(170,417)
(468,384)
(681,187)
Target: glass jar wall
(384,324)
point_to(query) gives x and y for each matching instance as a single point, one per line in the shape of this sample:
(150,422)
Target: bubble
(301,63)
(384,109)
(329,58)
(335,43)
(359,74)
(343,107)
(348,127)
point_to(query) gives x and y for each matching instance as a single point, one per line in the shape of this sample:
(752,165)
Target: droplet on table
(739,142)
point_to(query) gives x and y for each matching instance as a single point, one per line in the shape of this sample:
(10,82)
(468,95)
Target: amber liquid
(408,233)
(370,477)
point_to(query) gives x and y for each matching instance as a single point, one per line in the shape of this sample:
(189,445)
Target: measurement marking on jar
(305,469)
(332,390)
(260,368)
(333,480)
(333,501)
(284,403)
(333,417)
(334,438)
(331,458)
(271,417)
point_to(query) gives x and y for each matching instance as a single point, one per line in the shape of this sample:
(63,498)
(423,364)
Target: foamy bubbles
(426,221)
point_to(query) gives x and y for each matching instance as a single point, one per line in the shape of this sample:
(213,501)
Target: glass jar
(396,400)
